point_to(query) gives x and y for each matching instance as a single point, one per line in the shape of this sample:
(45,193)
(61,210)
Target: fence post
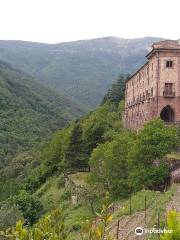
(117,233)
(158,224)
(145,207)
(130,205)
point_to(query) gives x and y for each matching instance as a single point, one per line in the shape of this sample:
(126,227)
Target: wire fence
(147,219)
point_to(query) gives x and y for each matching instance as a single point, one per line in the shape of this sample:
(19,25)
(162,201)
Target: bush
(50,227)
(174,226)
(9,215)
(29,205)
(38,177)
(76,227)
(66,195)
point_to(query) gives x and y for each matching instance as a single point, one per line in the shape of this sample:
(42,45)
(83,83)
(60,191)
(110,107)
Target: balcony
(169,94)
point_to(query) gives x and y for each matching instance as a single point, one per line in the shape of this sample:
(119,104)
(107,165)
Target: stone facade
(154,90)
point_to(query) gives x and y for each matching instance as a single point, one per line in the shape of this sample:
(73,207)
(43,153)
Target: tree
(116,93)
(117,165)
(109,165)
(152,143)
(9,215)
(100,126)
(91,194)
(75,154)
(29,205)
(94,136)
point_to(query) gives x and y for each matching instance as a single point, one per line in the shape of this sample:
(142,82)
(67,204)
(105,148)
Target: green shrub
(9,215)
(29,205)
(66,195)
(76,227)
(50,227)
(173,224)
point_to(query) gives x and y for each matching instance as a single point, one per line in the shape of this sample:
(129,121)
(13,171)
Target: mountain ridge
(82,69)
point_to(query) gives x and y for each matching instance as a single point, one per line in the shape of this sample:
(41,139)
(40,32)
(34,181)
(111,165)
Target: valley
(82,69)
(30,112)
(70,174)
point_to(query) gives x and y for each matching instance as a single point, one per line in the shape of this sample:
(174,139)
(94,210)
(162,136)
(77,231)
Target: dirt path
(175,203)
(128,230)
(127,226)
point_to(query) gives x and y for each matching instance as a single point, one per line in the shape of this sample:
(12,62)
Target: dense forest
(30,112)
(122,164)
(83,70)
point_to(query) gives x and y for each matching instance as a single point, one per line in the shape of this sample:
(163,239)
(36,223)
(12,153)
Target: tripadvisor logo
(139,231)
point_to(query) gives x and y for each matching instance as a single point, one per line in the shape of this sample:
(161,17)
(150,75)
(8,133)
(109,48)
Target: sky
(54,21)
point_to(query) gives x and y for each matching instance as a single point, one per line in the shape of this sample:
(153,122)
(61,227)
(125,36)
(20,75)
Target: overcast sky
(55,21)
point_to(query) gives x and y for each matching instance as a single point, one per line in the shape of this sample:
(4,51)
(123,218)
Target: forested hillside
(83,70)
(122,165)
(29,112)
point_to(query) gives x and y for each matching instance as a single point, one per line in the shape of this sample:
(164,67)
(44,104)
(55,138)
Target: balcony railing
(170,94)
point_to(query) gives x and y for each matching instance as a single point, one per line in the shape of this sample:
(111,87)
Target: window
(151,92)
(168,88)
(147,94)
(169,64)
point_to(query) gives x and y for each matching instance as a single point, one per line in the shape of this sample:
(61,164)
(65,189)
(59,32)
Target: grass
(159,207)
(174,155)
(138,202)
(76,217)
(79,178)
(156,201)
(51,194)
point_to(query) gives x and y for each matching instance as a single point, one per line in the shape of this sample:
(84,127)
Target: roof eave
(148,56)
(150,53)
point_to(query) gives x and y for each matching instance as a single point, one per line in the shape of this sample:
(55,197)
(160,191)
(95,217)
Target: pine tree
(116,93)
(75,154)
